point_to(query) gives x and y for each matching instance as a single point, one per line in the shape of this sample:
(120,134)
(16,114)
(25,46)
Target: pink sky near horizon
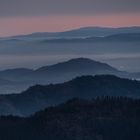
(25,25)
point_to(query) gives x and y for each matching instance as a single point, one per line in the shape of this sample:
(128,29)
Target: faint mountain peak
(78,63)
(82,32)
(17,69)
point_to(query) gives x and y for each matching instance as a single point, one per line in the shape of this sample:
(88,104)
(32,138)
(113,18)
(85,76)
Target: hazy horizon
(29,16)
(18,17)
(69,29)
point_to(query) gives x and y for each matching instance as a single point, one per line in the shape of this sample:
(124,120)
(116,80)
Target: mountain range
(39,97)
(17,80)
(105,118)
(83,32)
(77,99)
(116,46)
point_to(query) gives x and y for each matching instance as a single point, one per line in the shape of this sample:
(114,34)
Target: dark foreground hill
(105,118)
(39,97)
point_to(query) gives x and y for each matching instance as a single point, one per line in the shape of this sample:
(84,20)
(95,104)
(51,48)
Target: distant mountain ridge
(84,32)
(76,64)
(123,37)
(86,87)
(21,78)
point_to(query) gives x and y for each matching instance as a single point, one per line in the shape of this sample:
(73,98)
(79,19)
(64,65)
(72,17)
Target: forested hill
(39,97)
(106,118)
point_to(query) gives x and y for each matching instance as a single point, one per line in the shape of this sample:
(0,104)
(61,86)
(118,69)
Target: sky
(28,16)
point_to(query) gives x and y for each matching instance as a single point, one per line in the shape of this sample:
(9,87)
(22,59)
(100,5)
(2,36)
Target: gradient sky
(27,16)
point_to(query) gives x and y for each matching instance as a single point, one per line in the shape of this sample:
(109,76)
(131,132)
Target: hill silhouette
(38,97)
(83,32)
(21,78)
(103,118)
